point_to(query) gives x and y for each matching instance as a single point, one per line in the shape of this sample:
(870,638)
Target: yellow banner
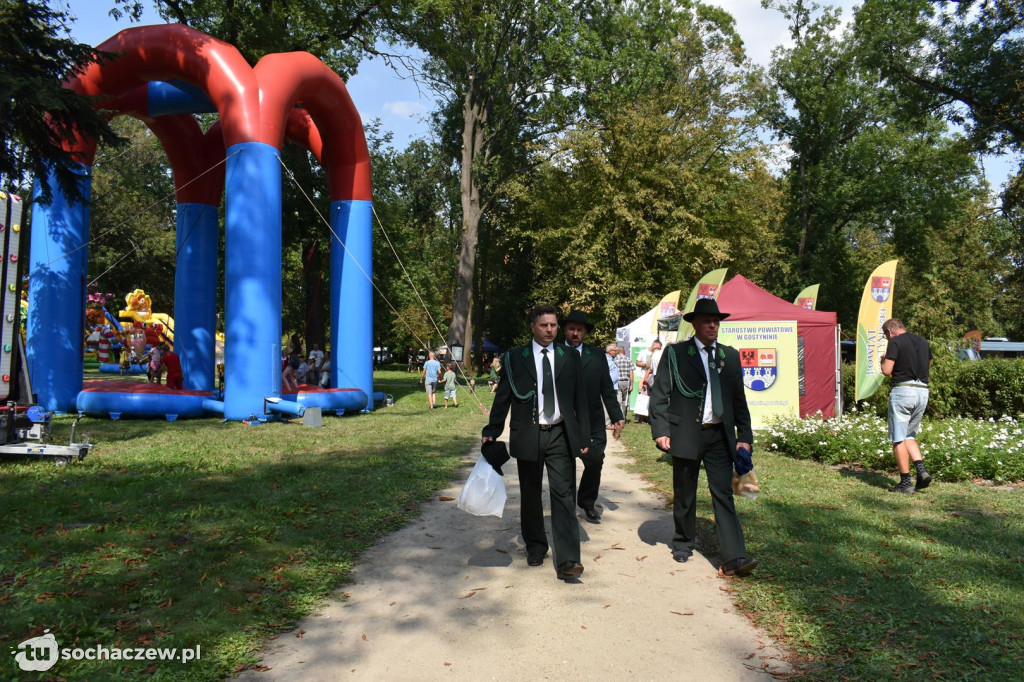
(709,286)
(668,307)
(808,298)
(876,306)
(771,370)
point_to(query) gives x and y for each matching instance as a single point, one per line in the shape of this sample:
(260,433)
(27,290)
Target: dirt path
(451,597)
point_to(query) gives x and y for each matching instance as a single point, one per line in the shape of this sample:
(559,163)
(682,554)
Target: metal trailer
(24,426)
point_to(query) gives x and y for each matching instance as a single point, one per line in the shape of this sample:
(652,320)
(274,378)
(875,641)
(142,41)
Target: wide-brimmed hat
(705,306)
(579,317)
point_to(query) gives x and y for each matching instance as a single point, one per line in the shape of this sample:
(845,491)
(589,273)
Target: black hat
(579,317)
(496,454)
(705,306)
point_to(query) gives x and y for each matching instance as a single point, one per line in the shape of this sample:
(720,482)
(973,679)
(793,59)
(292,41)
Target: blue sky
(378,92)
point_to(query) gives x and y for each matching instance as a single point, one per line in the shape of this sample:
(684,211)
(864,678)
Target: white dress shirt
(709,412)
(538,358)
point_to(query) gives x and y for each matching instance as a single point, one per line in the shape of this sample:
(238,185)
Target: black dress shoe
(590,514)
(741,566)
(682,555)
(569,570)
(534,559)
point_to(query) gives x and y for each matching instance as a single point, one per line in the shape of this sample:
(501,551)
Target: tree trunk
(804,219)
(473,123)
(313,277)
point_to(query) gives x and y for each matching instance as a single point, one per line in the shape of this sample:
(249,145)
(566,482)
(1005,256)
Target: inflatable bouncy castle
(164,75)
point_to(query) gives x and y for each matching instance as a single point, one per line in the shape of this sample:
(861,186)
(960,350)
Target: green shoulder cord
(507,368)
(678,382)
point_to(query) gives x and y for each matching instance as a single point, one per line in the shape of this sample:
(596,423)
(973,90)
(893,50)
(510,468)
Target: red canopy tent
(747,302)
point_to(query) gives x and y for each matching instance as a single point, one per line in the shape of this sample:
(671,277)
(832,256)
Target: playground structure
(163,75)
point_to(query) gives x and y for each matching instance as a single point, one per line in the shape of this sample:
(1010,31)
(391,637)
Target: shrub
(954,449)
(988,389)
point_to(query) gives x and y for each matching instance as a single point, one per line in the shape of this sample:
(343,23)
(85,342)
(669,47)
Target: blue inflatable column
(252,279)
(56,296)
(195,294)
(352,296)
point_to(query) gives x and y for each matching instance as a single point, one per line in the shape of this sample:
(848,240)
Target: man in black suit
(541,383)
(699,414)
(598,386)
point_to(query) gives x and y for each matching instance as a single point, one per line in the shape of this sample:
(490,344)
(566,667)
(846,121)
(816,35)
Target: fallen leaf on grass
(641,558)
(583,627)
(606,606)
(931,555)
(616,546)
(597,557)
(392,603)
(365,638)
(445,498)
(299,634)
(682,613)
(468,594)
(447,663)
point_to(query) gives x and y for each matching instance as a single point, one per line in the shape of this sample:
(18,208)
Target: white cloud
(406,108)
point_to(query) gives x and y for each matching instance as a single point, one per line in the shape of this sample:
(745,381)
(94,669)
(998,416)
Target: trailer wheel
(61,461)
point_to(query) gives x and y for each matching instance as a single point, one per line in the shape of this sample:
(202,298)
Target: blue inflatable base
(117,398)
(114,368)
(137,399)
(337,400)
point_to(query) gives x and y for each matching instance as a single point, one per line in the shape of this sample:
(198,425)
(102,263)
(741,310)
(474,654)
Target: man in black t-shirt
(907,360)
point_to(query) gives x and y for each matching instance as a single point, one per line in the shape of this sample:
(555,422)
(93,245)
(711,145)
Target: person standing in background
(907,361)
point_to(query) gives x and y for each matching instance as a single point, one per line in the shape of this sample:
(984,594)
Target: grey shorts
(430,386)
(906,408)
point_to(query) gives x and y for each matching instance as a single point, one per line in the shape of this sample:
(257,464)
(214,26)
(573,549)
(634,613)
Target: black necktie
(549,386)
(714,383)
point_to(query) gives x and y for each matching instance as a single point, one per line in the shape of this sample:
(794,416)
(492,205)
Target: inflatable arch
(163,75)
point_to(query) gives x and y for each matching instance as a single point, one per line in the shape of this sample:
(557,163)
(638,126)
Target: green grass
(864,584)
(198,532)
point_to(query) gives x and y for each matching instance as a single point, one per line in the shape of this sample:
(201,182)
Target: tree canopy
(597,154)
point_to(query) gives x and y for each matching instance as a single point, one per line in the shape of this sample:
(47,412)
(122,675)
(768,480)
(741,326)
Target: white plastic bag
(484,491)
(642,404)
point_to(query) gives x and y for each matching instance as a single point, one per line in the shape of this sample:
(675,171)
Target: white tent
(637,334)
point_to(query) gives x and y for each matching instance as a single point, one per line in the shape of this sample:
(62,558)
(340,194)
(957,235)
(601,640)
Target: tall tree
(338,32)
(504,71)
(964,58)
(415,239)
(133,206)
(857,165)
(37,114)
(664,181)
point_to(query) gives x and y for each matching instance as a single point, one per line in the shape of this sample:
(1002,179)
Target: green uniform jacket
(517,392)
(597,382)
(677,398)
